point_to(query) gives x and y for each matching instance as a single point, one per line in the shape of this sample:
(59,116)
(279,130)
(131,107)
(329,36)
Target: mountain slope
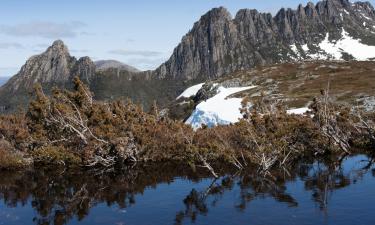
(219,44)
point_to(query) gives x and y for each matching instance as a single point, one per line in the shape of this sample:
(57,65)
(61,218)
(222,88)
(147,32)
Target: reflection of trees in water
(252,185)
(59,196)
(196,203)
(322,179)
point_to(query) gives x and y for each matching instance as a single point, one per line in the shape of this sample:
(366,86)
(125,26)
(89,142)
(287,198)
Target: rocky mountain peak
(58,48)
(217,14)
(310,10)
(55,66)
(59,44)
(218,44)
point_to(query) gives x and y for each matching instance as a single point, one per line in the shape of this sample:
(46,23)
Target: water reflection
(63,197)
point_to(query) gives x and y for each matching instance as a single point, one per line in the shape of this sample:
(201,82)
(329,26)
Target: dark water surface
(309,193)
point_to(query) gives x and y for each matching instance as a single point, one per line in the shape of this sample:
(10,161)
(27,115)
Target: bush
(69,127)
(55,155)
(10,159)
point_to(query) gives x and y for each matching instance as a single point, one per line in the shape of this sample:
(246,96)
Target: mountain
(54,67)
(219,44)
(216,46)
(102,65)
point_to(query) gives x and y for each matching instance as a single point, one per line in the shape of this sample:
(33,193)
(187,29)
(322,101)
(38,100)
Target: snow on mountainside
(220,44)
(336,50)
(191,91)
(219,109)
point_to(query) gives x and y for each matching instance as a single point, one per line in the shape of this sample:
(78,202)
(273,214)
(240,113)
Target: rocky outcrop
(219,44)
(84,68)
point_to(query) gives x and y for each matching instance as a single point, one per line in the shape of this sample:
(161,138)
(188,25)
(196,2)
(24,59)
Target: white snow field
(335,50)
(349,45)
(218,110)
(191,91)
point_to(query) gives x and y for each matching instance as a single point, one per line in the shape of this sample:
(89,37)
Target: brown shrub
(70,128)
(9,158)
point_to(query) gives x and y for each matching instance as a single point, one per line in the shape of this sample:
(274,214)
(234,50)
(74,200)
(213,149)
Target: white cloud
(45,29)
(6,45)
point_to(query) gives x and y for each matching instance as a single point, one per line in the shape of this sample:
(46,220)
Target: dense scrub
(70,128)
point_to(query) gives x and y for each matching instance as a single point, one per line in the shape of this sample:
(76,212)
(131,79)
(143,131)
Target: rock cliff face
(55,65)
(219,44)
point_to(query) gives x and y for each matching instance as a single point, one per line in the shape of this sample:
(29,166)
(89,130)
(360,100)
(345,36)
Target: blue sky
(138,32)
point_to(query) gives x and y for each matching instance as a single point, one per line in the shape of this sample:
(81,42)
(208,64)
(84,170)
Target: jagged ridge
(219,44)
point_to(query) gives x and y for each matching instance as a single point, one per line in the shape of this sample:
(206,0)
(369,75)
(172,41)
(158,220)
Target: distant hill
(102,65)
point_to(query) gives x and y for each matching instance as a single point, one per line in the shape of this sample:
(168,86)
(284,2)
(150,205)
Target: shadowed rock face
(218,44)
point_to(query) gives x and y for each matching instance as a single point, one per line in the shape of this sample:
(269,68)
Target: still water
(340,192)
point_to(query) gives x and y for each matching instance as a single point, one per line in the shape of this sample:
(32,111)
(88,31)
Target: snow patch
(218,110)
(298,111)
(191,91)
(330,48)
(349,45)
(366,17)
(294,48)
(305,48)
